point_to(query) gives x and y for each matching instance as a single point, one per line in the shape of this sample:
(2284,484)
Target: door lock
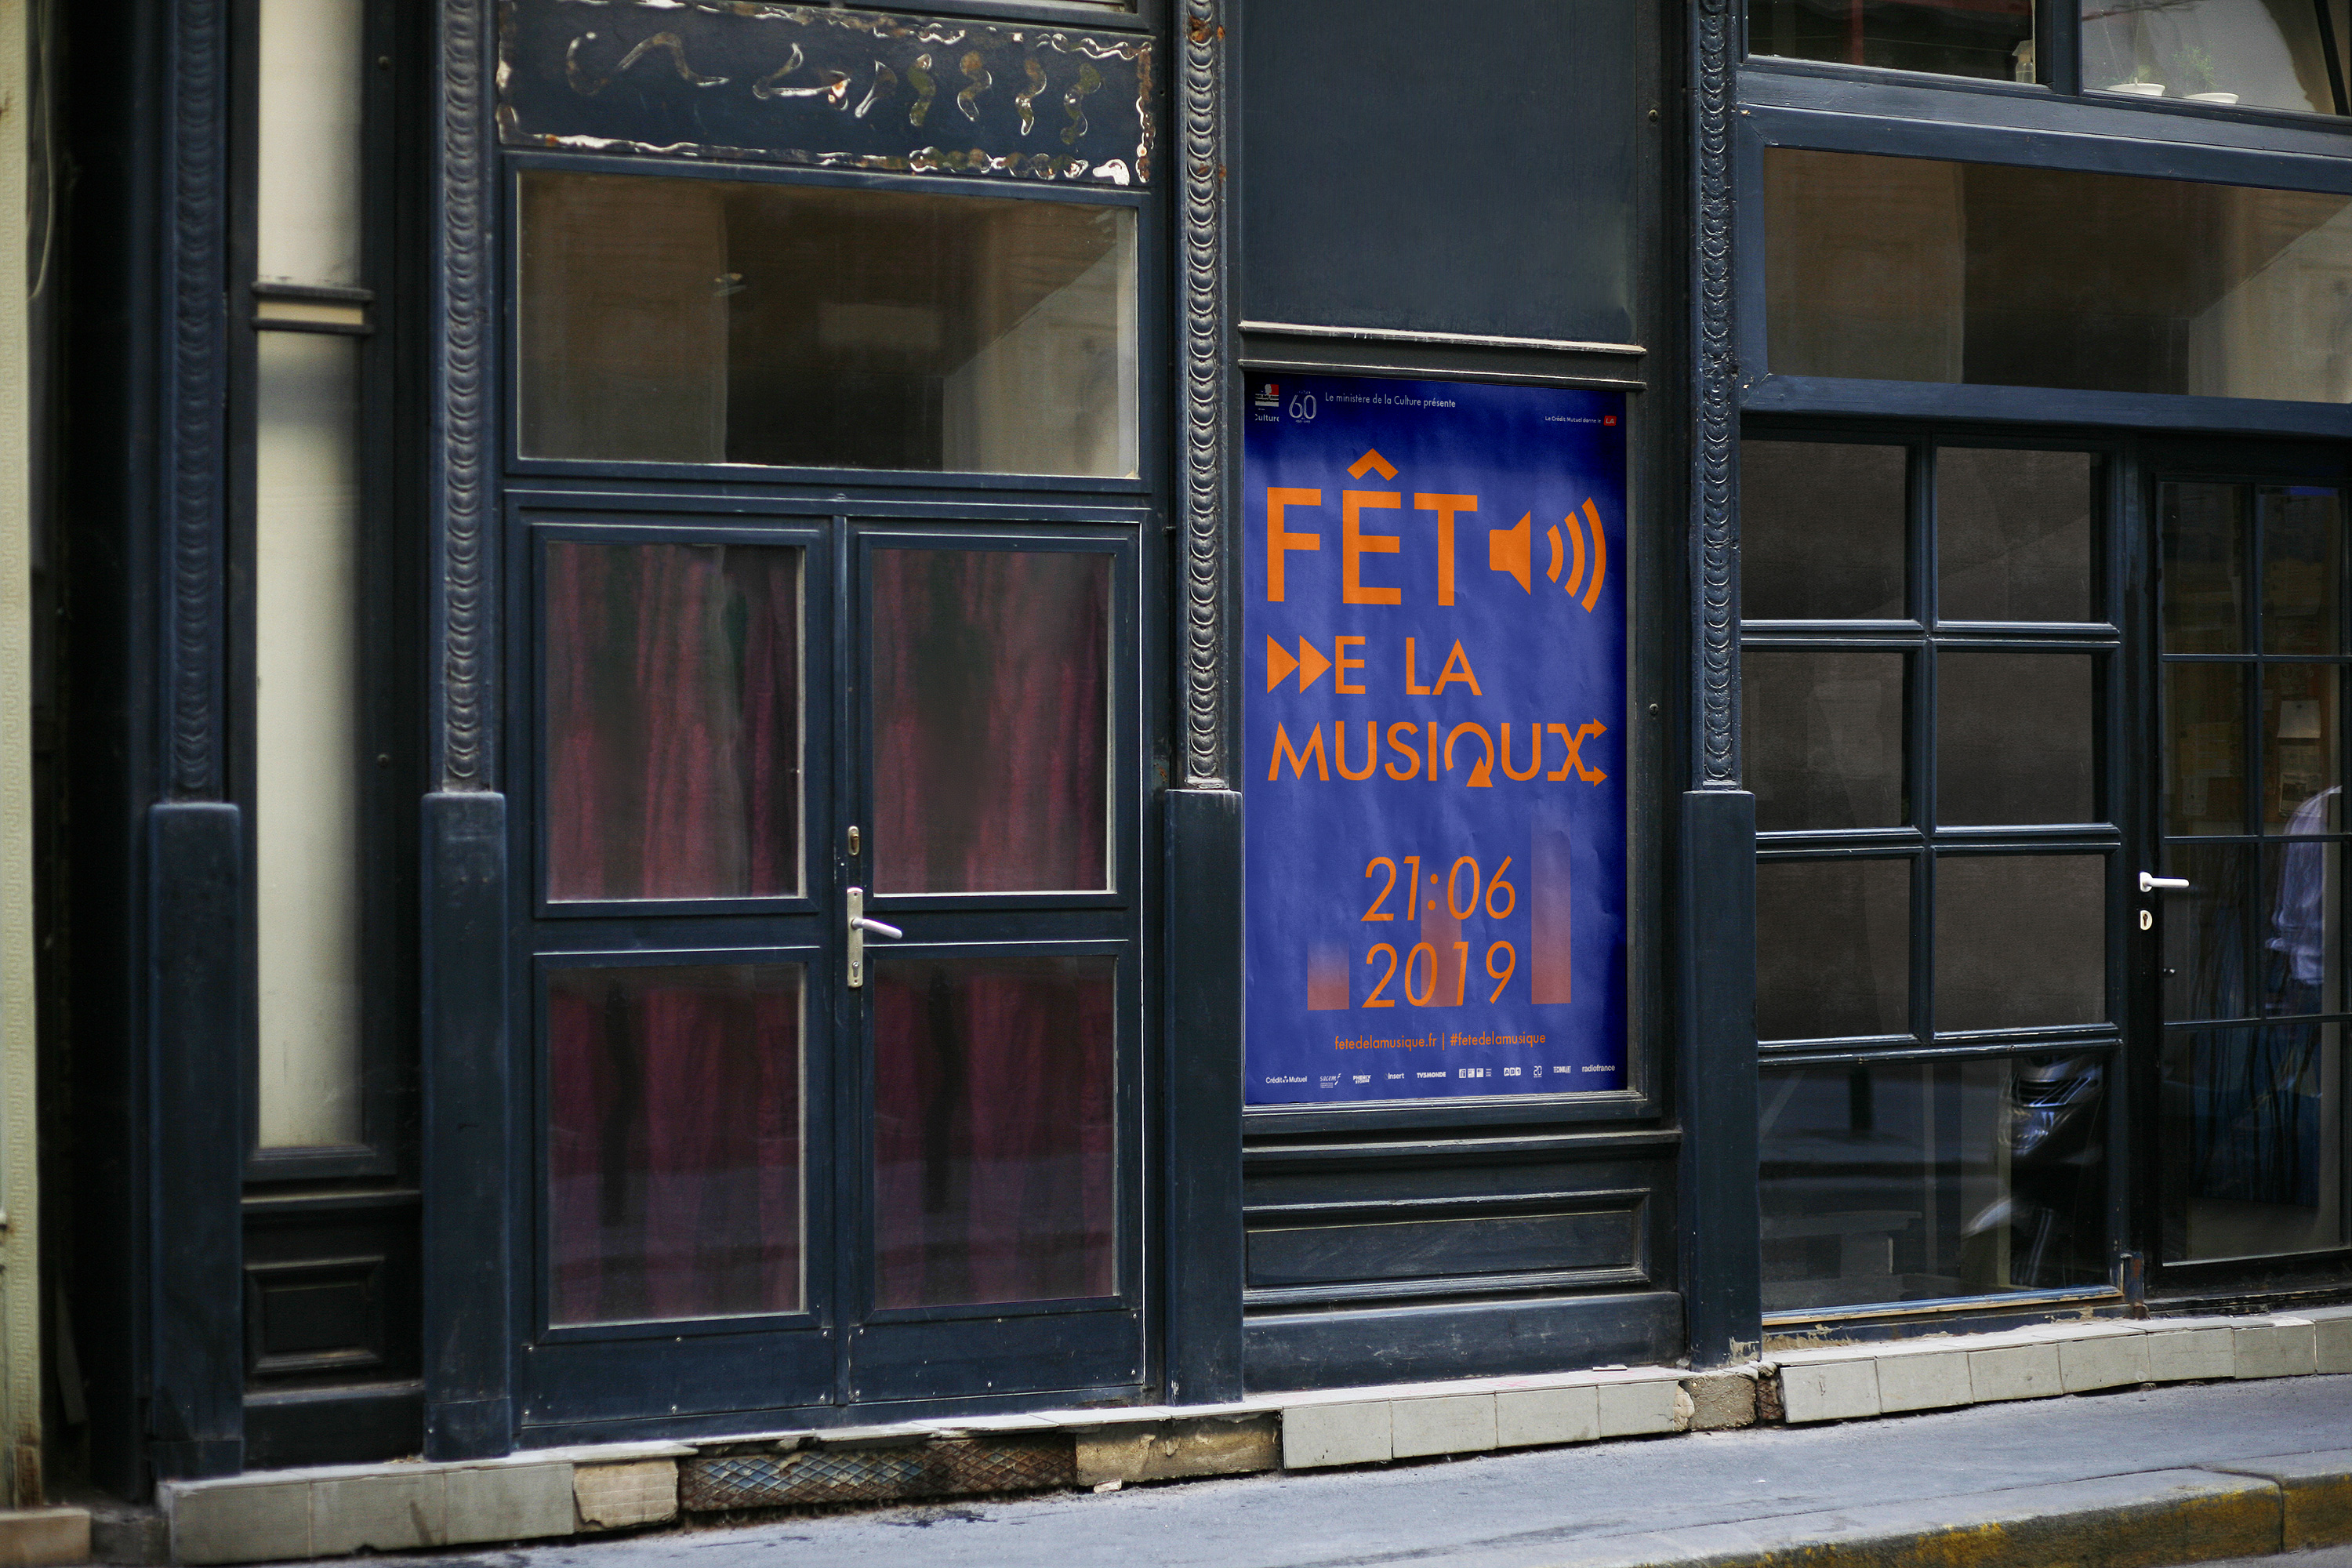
(2149,884)
(858,926)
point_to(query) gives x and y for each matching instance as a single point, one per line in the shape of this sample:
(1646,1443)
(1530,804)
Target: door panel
(2251,1065)
(1000,1246)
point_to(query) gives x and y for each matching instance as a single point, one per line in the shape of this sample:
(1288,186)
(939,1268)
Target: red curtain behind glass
(674,1159)
(991,719)
(994,1154)
(673,721)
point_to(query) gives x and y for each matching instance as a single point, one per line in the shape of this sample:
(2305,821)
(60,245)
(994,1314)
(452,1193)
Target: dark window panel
(2302,746)
(1821,531)
(2014,738)
(2205,750)
(2204,543)
(2013,534)
(2020,941)
(1992,40)
(2252,1128)
(1833,949)
(2302,570)
(1825,738)
(2302,897)
(2206,930)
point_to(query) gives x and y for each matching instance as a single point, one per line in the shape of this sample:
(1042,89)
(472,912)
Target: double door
(833,950)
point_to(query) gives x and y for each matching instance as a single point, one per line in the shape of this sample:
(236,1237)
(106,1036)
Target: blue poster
(1434,739)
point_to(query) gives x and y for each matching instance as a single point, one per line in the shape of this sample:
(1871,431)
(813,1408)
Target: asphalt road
(1524,1509)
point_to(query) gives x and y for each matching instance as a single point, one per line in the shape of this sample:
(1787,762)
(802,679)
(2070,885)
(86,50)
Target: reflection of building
(639,826)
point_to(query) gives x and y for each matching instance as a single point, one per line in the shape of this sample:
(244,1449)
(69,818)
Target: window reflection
(1911,1181)
(1988,38)
(2268,54)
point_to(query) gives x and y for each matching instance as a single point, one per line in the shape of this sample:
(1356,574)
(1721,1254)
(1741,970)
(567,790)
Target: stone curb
(2249,1509)
(543,1494)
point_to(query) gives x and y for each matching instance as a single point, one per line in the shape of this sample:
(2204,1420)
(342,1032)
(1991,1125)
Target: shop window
(1981,274)
(686,321)
(1937,852)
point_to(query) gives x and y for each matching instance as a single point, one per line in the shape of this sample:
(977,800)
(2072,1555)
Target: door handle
(858,926)
(2148,884)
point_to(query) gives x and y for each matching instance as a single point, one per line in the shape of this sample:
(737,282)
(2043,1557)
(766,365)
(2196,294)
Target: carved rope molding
(1715,498)
(462,502)
(193,600)
(1200,152)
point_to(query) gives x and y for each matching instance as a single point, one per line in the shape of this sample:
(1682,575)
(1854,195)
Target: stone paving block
(240,1524)
(1829,1391)
(400,1509)
(2316,1490)
(1720,1400)
(43,1537)
(1167,1450)
(1457,1424)
(1922,1380)
(2113,1361)
(1525,1418)
(1316,1436)
(1636,1409)
(614,1497)
(510,1502)
(2017,1371)
(2280,1348)
(2332,1336)
(2190,1355)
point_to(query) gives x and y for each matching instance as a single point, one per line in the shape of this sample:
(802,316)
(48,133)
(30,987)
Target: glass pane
(995,1175)
(2013,534)
(673,721)
(1824,733)
(2014,739)
(2204,567)
(1833,949)
(1897,1181)
(309,80)
(708,322)
(2020,941)
(307,699)
(1821,531)
(2252,1131)
(2204,715)
(1913,269)
(2302,570)
(2301,746)
(2258,53)
(2302,956)
(991,720)
(1993,39)
(674,1141)
(2205,930)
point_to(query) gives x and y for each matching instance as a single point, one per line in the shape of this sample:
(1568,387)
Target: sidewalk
(2140,1476)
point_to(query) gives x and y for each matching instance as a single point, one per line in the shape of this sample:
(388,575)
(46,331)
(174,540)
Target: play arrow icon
(1278,664)
(1310,664)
